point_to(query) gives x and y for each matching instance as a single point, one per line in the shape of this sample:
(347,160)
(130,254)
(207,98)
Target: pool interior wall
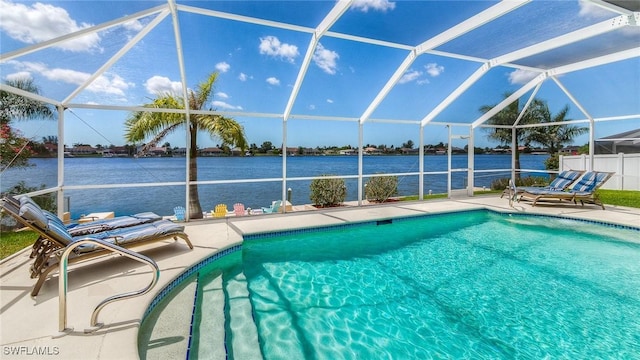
(229,258)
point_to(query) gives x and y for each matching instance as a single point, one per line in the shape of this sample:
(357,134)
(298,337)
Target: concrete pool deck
(29,325)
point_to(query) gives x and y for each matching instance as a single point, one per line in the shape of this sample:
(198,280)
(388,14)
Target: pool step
(209,332)
(242,336)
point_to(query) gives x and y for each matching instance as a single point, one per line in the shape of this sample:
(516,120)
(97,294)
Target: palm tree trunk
(195,211)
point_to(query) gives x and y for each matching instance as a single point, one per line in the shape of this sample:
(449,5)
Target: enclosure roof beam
(333,16)
(526,106)
(80,33)
(513,97)
(563,40)
(245,19)
(28,94)
(458,30)
(572,98)
(139,36)
(597,61)
(611,7)
(470,24)
(456,93)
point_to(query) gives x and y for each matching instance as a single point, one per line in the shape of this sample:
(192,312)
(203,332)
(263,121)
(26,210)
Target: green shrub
(327,192)
(381,188)
(552,162)
(501,184)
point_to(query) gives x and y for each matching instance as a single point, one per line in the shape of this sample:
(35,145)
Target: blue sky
(258,65)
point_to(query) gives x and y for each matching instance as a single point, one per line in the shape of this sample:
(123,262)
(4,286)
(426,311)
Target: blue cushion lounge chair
(561,182)
(54,237)
(110,224)
(98,225)
(584,190)
(274,208)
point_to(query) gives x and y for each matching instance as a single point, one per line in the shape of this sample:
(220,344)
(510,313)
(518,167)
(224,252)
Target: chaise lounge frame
(588,196)
(48,248)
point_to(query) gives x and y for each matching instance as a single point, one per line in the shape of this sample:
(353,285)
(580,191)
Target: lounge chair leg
(41,279)
(186,240)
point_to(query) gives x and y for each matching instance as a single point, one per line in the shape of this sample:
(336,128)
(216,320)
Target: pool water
(475,285)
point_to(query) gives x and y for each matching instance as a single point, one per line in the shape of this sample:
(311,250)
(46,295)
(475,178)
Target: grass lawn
(628,198)
(12,242)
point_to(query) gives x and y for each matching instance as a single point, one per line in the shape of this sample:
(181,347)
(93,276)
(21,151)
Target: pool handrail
(62,283)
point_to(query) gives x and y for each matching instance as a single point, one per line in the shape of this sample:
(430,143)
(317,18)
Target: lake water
(162,199)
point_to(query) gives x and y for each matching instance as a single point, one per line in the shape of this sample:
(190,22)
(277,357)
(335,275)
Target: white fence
(625,166)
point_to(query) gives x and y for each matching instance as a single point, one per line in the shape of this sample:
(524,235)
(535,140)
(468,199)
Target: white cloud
(591,10)
(243,77)
(112,84)
(520,76)
(222,95)
(19,75)
(223,67)
(380,5)
(410,76)
(133,25)
(162,85)
(40,22)
(272,46)
(224,105)
(330,101)
(104,84)
(273,81)
(434,69)
(325,59)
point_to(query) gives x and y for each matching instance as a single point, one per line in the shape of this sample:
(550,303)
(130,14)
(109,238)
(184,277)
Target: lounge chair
(110,224)
(220,211)
(584,190)
(55,237)
(274,208)
(238,209)
(93,227)
(561,182)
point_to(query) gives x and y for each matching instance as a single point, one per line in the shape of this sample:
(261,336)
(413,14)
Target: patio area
(30,325)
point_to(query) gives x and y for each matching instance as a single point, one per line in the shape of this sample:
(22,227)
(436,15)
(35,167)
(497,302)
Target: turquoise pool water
(475,285)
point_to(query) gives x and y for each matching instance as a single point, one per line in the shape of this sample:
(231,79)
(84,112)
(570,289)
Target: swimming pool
(475,284)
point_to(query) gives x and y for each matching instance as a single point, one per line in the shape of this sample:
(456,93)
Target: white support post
(183,77)
(449,162)
(470,162)
(60,192)
(592,141)
(514,133)
(360,161)
(284,164)
(421,165)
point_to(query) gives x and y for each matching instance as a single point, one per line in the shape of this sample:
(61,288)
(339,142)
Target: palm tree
(14,150)
(18,107)
(508,116)
(553,137)
(143,124)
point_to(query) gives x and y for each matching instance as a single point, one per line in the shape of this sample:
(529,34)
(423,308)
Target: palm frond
(229,131)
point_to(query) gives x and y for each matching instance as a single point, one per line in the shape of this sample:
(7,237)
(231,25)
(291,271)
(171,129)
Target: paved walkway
(29,325)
